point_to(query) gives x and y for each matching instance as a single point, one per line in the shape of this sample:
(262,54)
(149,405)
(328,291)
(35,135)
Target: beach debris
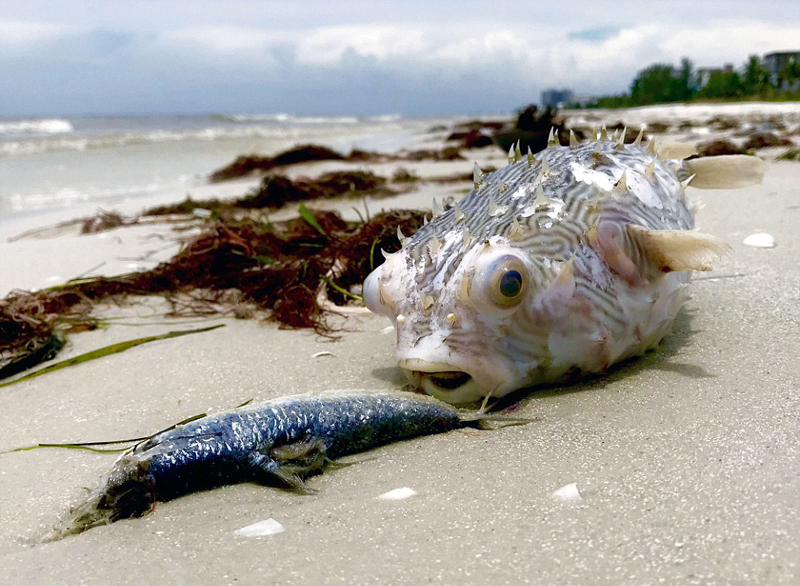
(248,164)
(719,147)
(568,492)
(323,353)
(723,123)
(471,139)
(275,191)
(263,528)
(33,352)
(760,240)
(763,140)
(398,494)
(275,267)
(104,220)
(403,175)
(450,153)
(532,130)
(106,351)
(790,155)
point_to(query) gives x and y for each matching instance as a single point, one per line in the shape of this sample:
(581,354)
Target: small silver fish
(283,440)
(556,266)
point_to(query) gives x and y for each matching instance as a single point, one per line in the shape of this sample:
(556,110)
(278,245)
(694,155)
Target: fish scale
(594,241)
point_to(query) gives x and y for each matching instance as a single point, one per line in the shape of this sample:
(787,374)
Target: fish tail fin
(492,420)
(129,492)
(725,171)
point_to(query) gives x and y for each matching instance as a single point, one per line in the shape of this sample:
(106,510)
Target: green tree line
(660,83)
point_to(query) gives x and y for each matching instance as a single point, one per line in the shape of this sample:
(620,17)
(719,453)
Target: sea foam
(35,126)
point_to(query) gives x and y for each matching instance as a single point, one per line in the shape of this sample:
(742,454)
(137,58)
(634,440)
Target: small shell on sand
(760,240)
(568,492)
(261,529)
(398,494)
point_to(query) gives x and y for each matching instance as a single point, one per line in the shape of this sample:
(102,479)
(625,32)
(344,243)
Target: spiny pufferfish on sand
(556,266)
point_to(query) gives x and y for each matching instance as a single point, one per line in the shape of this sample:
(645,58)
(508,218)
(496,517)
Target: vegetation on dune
(663,83)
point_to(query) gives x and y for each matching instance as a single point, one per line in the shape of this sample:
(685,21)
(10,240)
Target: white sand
(687,461)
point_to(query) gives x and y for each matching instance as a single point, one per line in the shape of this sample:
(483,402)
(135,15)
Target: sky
(353,57)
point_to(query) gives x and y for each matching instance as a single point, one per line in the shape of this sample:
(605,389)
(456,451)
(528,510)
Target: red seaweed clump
(277,267)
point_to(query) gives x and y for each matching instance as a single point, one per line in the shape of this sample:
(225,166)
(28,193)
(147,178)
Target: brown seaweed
(274,192)
(248,164)
(275,267)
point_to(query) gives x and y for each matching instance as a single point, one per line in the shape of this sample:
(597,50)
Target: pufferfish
(554,267)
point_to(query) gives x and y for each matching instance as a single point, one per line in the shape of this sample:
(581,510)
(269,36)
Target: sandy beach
(687,461)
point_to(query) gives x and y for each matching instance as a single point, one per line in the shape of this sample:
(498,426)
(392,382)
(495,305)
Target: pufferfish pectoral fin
(678,250)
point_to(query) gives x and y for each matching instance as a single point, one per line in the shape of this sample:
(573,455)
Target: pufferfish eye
(511,284)
(506,284)
(499,281)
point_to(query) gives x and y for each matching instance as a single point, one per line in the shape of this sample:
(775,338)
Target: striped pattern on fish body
(554,266)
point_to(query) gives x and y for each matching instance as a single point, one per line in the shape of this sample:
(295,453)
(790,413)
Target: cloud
(600,33)
(730,41)
(472,59)
(222,39)
(21,33)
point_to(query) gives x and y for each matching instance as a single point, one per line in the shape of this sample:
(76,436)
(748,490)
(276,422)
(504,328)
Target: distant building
(553,98)
(776,62)
(705,73)
(580,101)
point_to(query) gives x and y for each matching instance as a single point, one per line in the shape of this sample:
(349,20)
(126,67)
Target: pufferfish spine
(556,266)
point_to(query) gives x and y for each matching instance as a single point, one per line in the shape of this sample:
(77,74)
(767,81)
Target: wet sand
(687,460)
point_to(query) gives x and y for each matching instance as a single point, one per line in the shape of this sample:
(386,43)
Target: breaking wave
(287,119)
(29,137)
(282,118)
(42,126)
(82,143)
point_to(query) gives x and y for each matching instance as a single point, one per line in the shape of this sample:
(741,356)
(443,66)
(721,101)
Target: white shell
(261,529)
(760,240)
(568,492)
(398,494)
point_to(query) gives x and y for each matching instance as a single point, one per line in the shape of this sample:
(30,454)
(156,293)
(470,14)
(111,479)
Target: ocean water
(90,162)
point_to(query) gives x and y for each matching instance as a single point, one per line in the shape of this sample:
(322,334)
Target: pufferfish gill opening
(558,265)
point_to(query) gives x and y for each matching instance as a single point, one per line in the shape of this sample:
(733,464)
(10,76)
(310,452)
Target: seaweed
(233,263)
(106,351)
(247,164)
(274,192)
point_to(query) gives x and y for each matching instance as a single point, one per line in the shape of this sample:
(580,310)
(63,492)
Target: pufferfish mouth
(443,381)
(446,380)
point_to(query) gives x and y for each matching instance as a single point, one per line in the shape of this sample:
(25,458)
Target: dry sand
(687,460)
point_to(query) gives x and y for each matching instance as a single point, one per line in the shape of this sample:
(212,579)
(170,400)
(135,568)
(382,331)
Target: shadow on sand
(662,358)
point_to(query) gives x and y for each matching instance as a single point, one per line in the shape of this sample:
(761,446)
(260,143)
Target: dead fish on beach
(556,266)
(284,440)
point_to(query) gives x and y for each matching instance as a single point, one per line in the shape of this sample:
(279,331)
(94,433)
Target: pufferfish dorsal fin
(678,250)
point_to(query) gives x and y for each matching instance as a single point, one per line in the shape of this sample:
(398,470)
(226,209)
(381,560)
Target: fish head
(457,303)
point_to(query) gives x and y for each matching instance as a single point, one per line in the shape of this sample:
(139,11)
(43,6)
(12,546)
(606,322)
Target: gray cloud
(352,56)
